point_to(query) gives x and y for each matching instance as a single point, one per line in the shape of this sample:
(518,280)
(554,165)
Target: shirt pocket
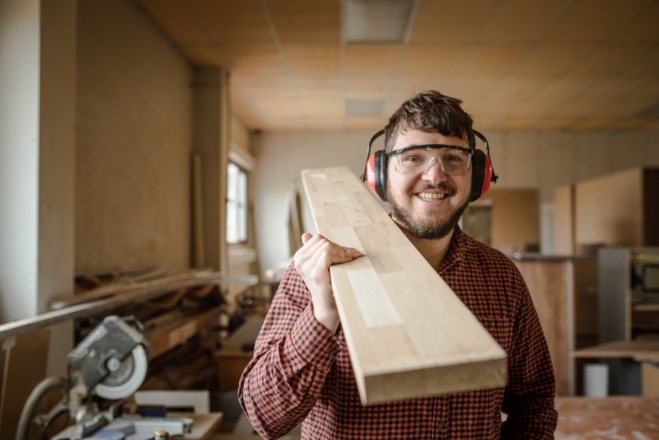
(500,327)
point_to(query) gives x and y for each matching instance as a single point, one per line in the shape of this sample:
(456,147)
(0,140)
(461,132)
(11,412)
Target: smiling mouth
(432,196)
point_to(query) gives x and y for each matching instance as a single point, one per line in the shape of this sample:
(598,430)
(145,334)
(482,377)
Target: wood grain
(408,334)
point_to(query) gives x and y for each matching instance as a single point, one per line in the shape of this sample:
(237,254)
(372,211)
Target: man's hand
(312,261)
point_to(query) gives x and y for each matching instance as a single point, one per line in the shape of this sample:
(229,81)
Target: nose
(434,174)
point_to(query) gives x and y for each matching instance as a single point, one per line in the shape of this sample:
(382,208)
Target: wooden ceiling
(516,64)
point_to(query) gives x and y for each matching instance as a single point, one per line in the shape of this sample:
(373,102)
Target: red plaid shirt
(301,372)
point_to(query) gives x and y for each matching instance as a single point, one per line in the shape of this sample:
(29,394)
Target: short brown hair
(430,111)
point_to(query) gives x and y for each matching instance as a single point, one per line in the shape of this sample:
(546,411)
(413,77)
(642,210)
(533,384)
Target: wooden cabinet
(506,219)
(564,293)
(618,209)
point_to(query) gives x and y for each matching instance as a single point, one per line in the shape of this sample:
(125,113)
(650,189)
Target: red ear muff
(376,173)
(369,177)
(481,174)
(482,171)
(375,169)
(488,175)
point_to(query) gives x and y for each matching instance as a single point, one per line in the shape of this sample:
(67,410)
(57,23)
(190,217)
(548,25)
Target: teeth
(432,196)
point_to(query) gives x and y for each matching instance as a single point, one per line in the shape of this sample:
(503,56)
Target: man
(301,371)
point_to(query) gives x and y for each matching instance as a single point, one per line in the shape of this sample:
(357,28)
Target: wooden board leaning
(408,334)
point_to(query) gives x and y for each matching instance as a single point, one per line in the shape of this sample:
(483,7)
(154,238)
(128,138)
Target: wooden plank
(124,286)
(198,210)
(204,426)
(166,337)
(15,328)
(408,334)
(650,380)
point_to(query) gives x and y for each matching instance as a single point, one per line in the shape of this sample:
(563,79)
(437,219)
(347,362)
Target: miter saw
(110,363)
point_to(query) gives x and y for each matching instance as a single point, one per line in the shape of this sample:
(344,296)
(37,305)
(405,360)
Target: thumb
(306,237)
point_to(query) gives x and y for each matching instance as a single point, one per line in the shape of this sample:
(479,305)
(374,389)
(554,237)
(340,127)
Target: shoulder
(496,270)
(484,256)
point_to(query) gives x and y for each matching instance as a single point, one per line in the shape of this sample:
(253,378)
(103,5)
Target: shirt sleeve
(293,354)
(529,395)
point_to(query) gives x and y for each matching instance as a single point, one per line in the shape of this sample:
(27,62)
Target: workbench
(619,417)
(203,426)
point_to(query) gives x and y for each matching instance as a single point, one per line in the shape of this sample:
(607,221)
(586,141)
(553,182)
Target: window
(236,204)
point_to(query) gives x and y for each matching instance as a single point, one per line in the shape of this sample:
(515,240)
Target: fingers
(317,243)
(306,237)
(313,261)
(343,254)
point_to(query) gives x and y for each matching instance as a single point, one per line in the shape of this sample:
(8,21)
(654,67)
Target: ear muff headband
(376,168)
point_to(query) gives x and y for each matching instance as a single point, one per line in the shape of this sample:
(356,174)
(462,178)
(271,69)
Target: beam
(408,334)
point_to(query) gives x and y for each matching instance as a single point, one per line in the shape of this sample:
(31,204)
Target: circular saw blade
(127,379)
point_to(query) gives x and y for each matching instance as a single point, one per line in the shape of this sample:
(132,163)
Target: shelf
(179,331)
(643,350)
(646,307)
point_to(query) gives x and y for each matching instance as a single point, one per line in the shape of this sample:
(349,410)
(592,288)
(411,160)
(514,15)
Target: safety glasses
(417,159)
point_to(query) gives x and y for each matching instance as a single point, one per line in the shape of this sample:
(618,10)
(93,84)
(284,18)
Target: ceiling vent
(377,21)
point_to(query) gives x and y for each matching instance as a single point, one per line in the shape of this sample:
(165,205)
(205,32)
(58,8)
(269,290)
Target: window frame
(239,199)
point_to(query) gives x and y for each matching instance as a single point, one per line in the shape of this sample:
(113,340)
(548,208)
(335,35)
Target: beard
(430,229)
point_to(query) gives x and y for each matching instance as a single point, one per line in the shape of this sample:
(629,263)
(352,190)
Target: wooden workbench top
(640,350)
(619,417)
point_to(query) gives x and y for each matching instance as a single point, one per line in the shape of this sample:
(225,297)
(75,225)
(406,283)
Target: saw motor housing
(111,361)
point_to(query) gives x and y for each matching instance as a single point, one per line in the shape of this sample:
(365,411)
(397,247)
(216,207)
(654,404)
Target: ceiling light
(364,107)
(377,21)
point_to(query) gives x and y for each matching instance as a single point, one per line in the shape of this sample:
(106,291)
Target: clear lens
(453,162)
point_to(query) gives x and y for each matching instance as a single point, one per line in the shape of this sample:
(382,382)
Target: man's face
(428,203)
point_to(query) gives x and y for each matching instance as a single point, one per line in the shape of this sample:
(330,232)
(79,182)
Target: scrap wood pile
(180,314)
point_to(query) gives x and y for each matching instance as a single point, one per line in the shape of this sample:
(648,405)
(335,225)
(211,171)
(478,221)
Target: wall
(19,156)
(134,114)
(37,137)
(563,222)
(280,158)
(57,123)
(536,160)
